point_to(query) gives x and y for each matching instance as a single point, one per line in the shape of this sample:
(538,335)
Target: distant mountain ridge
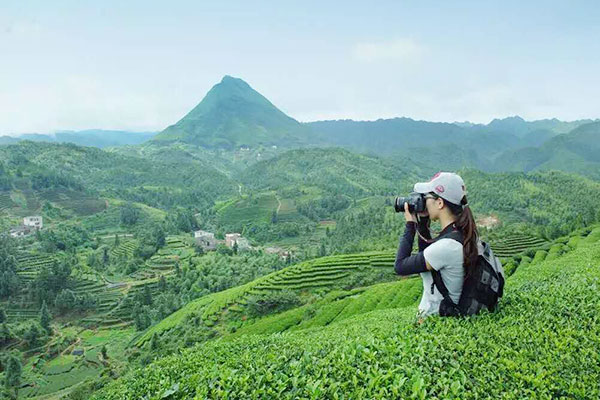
(233,115)
(577,151)
(234,118)
(89,137)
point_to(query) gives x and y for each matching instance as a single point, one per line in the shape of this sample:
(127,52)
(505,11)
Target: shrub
(272,302)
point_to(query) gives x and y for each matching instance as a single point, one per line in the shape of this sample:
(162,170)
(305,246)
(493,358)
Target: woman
(452,252)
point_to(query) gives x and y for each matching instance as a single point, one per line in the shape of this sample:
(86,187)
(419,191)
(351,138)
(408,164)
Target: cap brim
(423,187)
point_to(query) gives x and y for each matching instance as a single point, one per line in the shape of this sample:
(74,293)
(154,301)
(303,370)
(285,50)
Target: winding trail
(278,206)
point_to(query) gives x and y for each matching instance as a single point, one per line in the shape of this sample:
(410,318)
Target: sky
(142,65)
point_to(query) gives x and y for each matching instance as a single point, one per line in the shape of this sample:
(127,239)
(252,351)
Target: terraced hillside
(314,277)
(22,202)
(5,201)
(542,343)
(55,377)
(515,244)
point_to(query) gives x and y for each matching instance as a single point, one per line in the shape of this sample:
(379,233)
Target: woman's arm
(407,264)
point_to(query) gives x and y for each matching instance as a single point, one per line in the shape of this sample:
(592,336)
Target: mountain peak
(232,79)
(233,114)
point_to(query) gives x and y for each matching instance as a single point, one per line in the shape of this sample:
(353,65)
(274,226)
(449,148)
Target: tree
(104,352)
(5,334)
(92,259)
(2,315)
(129,214)
(162,283)
(117,241)
(235,247)
(274,217)
(105,256)
(32,335)
(199,249)
(65,300)
(45,318)
(14,369)
(147,296)
(9,281)
(142,319)
(154,342)
(160,238)
(322,250)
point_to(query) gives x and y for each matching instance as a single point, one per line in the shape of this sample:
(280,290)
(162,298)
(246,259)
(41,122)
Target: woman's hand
(408,216)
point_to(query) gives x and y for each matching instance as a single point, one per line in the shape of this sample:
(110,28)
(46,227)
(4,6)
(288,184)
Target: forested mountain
(333,170)
(232,114)
(389,136)
(521,128)
(577,151)
(165,183)
(91,137)
(472,144)
(235,118)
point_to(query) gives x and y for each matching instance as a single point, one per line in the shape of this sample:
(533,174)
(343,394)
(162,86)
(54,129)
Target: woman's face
(433,207)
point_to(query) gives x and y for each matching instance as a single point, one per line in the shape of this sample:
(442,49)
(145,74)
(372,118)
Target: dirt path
(71,347)
(279,205)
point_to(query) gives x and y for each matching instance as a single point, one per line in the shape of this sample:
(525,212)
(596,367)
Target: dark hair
(465,222)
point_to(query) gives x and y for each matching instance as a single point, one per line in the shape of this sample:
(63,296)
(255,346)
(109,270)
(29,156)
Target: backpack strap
(441,286)
(437,276)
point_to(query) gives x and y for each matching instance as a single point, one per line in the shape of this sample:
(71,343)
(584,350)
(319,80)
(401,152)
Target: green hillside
(332,170)
(118,270)
(474,145)
(577,151)
(314,288)
(541,343)
(90,137)
(232,114)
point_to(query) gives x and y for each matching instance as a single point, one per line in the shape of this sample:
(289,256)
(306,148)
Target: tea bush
(542,343)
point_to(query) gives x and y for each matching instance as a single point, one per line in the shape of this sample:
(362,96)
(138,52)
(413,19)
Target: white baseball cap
(447,185)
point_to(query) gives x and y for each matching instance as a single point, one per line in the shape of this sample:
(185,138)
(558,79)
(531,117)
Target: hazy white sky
(141,65)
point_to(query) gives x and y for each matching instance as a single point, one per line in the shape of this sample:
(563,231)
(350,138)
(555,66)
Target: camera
(415,201)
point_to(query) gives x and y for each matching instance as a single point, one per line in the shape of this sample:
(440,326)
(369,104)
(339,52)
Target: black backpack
(482,287)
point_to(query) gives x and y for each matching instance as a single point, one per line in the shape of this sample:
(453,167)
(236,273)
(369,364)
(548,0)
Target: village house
(30,224)
(205,239)
(20,231)
(283,253)
(34,221)
(235,238)
(231,238)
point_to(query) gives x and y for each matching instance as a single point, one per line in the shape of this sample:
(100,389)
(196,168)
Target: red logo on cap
(435,176)
(439,188)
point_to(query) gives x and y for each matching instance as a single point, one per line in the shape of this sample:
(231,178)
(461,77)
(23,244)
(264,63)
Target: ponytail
(466,224)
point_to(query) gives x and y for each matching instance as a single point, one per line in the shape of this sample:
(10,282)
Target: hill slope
(542,342)
(91,137)
(577,151)
(232,114)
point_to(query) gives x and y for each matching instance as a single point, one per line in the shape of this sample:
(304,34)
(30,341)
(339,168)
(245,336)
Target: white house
(205,239)
(34,221)
(231,238)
